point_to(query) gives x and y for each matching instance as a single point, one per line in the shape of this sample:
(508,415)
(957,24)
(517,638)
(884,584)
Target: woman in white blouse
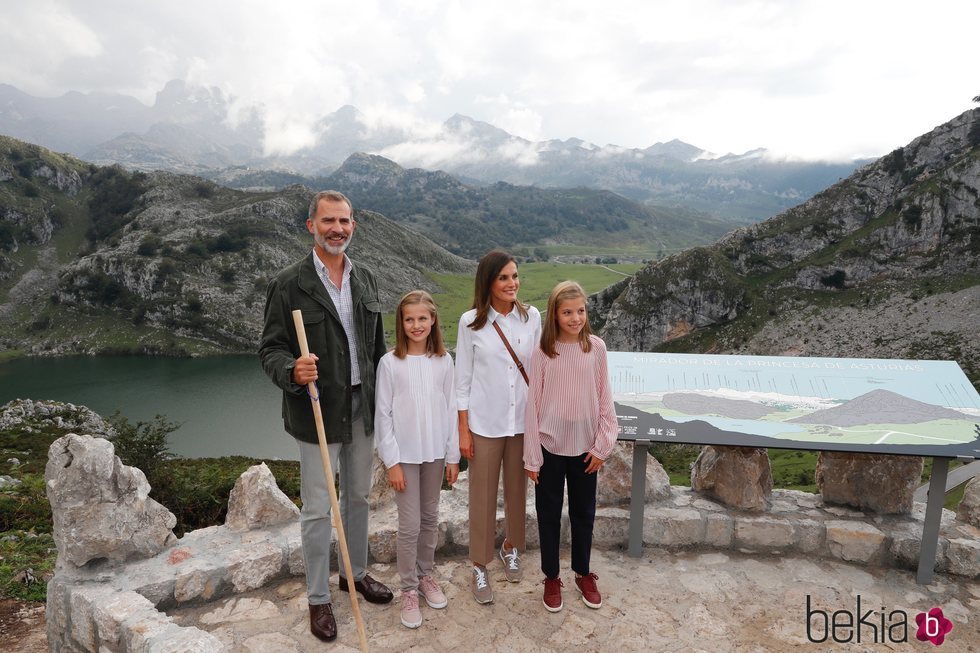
(491,393)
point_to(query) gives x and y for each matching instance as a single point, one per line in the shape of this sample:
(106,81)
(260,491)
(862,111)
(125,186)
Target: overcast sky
(811,79)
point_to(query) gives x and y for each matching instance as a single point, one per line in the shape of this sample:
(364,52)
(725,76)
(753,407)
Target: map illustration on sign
(925,408)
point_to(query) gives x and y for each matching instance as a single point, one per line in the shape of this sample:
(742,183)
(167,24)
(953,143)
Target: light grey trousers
(418,521)
(355,462)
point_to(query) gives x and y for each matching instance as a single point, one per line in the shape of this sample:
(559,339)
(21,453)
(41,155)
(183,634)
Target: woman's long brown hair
(486,273)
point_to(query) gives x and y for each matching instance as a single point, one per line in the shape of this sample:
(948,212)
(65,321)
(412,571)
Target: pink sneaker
(590,593)
(410,614)
(430,591)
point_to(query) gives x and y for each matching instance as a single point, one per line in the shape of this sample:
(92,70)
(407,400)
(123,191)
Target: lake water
(226,404)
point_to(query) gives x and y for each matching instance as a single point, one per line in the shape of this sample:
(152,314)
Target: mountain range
(469,220)
(884,264)
(188,129)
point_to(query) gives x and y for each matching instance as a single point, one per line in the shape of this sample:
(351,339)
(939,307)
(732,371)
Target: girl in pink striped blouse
(569,431)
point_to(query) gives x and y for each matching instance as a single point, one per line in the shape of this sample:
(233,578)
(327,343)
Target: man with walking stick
(342,319)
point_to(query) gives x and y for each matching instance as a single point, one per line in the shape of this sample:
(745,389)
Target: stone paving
(712,579)
(664,601)
(729,560)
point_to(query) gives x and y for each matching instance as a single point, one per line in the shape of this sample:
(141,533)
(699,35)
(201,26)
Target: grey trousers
(355,462)
(418,521)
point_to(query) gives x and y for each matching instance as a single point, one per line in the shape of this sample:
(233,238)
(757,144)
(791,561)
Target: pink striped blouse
(569,406)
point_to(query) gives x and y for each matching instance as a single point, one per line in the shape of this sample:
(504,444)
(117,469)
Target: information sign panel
(921,408)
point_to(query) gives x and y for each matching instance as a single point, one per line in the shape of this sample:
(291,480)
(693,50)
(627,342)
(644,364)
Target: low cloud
(519,153)
(39,39)
(725,75)
(379,119)
(433,153)
(459,148)
(285,136)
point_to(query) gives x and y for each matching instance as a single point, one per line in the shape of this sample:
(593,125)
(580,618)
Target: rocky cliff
(37,191)
(882,264)
(100,260)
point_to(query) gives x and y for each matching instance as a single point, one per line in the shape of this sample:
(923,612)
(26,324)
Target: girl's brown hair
(433,344)
(487,271)
(549,334)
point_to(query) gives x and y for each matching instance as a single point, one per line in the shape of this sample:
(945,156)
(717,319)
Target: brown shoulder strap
(510,350)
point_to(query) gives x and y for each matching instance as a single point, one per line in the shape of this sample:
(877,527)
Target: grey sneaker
(430,591)
(411,615)
(512,564)
(481,585)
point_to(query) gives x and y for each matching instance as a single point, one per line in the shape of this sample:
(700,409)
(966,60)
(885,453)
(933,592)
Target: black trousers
(548,499)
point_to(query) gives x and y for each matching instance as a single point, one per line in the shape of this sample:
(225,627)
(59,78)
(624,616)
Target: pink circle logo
(933,626)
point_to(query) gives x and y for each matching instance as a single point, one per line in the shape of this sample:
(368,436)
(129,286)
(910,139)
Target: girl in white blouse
(491,392)
(415,431)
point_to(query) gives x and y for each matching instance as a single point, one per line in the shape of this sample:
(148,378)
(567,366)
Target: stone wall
(121,610)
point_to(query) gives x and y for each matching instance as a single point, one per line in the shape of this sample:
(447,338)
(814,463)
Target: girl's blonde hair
(549,334)
(433,344)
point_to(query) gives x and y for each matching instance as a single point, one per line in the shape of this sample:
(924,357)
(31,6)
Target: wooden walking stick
(321,435)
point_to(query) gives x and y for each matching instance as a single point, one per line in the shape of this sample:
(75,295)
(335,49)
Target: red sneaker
(590,593)
(552,594)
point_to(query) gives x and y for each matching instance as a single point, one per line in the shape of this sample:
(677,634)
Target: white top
(488,383)
(570,411)
(414,414)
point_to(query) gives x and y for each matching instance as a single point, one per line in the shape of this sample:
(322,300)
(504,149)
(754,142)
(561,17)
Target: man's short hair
(331,196)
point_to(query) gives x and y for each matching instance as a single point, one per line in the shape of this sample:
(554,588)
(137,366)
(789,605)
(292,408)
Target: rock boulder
(882,484)
(740,477)
(381,491)
(969,510)
(616,476)
(100,508)
(257,502)
(28,414)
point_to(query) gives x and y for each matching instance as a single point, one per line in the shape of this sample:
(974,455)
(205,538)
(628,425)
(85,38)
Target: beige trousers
(489,455)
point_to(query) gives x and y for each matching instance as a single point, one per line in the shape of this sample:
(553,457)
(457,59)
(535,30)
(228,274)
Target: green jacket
(299,287)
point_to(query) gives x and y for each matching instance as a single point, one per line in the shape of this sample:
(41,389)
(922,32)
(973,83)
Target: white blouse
(414,415)
(488,383)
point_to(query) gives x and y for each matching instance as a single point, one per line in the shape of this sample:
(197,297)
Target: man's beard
(333,250)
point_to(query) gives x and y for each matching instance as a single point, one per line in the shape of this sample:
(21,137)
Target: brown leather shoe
(322,624)
(372,590)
